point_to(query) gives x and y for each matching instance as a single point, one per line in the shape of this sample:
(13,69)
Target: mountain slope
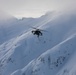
(25,54)
(52,60)
(11,29)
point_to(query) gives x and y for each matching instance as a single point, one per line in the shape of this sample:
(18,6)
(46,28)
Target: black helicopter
(37,32)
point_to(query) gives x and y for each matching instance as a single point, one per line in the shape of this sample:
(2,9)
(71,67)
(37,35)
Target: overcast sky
(34,8)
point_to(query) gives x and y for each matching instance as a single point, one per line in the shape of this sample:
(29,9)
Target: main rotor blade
(43,30)
(38,28)
(33,27)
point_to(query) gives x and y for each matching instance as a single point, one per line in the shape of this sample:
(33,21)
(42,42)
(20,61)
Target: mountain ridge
(25,54)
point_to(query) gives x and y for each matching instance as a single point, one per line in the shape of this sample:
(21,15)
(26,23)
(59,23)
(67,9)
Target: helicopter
(37,31)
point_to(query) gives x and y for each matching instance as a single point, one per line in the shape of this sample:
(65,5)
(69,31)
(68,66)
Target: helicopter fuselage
(37,32)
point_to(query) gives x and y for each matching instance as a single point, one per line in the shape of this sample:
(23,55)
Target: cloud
(35,7)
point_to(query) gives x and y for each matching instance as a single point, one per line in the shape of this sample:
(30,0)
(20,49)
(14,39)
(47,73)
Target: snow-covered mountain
(54,53)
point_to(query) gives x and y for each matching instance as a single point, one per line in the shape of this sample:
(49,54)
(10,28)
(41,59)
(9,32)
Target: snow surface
(54,53)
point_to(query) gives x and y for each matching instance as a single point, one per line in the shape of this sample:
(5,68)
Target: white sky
(34,8)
